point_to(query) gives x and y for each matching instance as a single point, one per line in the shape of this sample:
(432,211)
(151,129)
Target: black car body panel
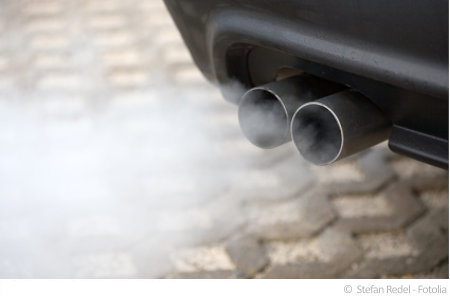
(393,52)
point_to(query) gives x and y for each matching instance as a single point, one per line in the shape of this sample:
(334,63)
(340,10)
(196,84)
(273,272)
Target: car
(335,77)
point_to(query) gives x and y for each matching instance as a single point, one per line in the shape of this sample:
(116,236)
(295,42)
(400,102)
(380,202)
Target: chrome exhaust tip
(337,126)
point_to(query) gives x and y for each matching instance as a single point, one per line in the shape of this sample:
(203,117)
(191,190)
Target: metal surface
(337,126)
(265,112)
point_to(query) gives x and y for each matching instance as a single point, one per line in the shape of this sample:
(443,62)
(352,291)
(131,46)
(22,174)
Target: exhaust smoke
(319,134)
(263,119)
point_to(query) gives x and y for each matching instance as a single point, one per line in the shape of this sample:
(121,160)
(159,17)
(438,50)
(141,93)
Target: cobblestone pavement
(118,159)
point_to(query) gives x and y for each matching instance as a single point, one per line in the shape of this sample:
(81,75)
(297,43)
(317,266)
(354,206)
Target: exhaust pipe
(265,112)
(337,126)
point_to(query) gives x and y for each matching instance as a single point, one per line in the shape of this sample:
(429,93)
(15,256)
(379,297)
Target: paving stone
(46,41)
(294,252)
(43,8)
(262,181)
(113,39)
(421,182)
(431,248)
(338,252)
(305,271)
(122,57)
(104,6)
(178,56)
(130,77)
(385,245)
(51,61)
(211,258)
(107,21)
(60,80)
(435,199)
(379,268)
(342,171)
(189,75)
(294,219)
(431,231)
(350,206)
(339,247)
(247,253)
(152,260)
(377,174)
(406,167)
(439,272)
(45,24)
(405,208)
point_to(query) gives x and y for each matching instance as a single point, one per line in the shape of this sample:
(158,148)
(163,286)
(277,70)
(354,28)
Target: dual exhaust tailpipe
(325,121)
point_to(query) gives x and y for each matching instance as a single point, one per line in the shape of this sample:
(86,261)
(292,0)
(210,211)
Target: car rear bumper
(393,52)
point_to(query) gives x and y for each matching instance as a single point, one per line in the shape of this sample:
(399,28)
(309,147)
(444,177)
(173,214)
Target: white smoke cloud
(81,183)
(111,187)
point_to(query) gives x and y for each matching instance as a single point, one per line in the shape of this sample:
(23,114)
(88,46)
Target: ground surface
(118,159)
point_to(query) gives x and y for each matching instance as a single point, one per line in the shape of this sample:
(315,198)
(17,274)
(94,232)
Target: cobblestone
(337,251)
(405,208)
(349,206)
(248,254)
(383,245)
(294,219)
(202,259)
(119,160)
(430,244)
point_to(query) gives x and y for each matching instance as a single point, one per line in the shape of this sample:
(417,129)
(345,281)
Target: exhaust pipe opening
(319,134)
(265,112)
(264,119)
(337,126)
